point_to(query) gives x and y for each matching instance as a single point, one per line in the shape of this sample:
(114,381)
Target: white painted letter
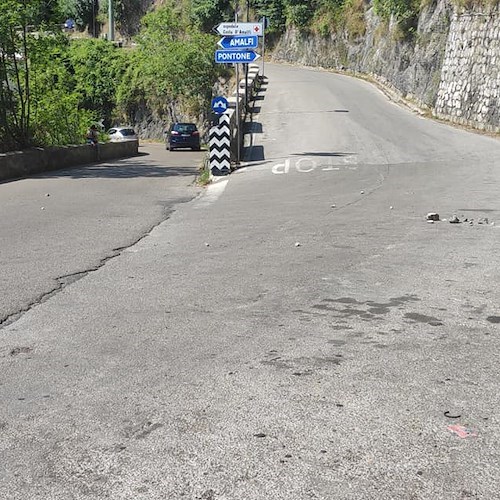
(312,162)
(277,168)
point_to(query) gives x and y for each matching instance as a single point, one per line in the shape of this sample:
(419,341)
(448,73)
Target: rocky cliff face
(450,66)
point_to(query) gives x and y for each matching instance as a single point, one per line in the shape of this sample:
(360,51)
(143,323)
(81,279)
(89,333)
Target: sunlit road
(57,226)
(297,332)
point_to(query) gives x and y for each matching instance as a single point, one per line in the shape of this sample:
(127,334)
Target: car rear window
(128,131)
(185,128)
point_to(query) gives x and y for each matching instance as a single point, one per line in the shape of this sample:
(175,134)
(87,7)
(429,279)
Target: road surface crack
(69,279)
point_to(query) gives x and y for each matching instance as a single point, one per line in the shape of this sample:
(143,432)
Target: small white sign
(235,29)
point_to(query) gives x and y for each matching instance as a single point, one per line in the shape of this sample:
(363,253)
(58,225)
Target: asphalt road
(297,332)
(57,226)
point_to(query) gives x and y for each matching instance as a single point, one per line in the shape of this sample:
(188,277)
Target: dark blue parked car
(183,135)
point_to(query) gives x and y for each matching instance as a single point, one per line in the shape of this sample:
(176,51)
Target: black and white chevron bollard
(220,147)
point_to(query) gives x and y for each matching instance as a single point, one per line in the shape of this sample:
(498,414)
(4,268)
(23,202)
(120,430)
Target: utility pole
(111,21)
(238,136)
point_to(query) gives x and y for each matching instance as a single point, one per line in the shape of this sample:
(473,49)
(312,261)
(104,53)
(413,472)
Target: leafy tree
(274,10)
(298,12)
(173,62)
(45,94)
(84,13)
(209,13)
(128,14)
(98,67)
(15,102)
(57,117)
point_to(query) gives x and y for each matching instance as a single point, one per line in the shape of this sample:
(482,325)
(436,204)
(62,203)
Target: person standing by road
(93,139)
(92,135)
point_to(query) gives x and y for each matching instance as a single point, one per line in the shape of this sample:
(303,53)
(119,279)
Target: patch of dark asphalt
(422,318)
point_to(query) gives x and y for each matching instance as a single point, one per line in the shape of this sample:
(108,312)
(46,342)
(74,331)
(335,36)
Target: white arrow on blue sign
(219,105)
(235,56)
(239,42)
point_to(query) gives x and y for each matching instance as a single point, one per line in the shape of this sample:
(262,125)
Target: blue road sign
(219,105)
(239,42)
(235,56)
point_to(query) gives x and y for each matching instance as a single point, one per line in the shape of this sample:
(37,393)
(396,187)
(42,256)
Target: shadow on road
(330,153)
(122,169)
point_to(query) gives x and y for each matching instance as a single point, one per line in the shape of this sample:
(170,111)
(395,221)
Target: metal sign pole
(237,115)
(237,97)
(111,21)
(263,43)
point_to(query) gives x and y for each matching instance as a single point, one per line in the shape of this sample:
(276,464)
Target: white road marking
(213,193)
(306,165)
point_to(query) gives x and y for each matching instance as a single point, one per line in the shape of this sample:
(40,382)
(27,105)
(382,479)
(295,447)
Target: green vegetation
(326,17)
(405,12)
(173,62)
(204,173)
(52,88)
(205,14)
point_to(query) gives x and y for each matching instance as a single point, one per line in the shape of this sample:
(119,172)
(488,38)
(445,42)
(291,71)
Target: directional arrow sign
(239,42)
(234,29)
(235,56)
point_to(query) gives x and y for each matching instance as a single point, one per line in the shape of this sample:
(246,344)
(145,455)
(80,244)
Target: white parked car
(119,134)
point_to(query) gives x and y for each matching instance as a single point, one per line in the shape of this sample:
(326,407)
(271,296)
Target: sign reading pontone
(235,29)
(235,56)
(239,42)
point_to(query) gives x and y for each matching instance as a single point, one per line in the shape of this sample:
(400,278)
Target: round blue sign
(219,105)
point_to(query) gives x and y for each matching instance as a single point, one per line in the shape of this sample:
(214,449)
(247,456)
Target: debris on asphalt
(461,431)
(333,206)
(450,415)
(483,221)
(493,319)
(454,220)
(362,192)
(391,207)
(47,194)
(432,216)
(207,244)
(42,208)
(430,222)
(260,435)
(297,244)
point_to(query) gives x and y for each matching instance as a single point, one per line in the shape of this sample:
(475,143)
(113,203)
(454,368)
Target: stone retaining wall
(19,164)
(469,90)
